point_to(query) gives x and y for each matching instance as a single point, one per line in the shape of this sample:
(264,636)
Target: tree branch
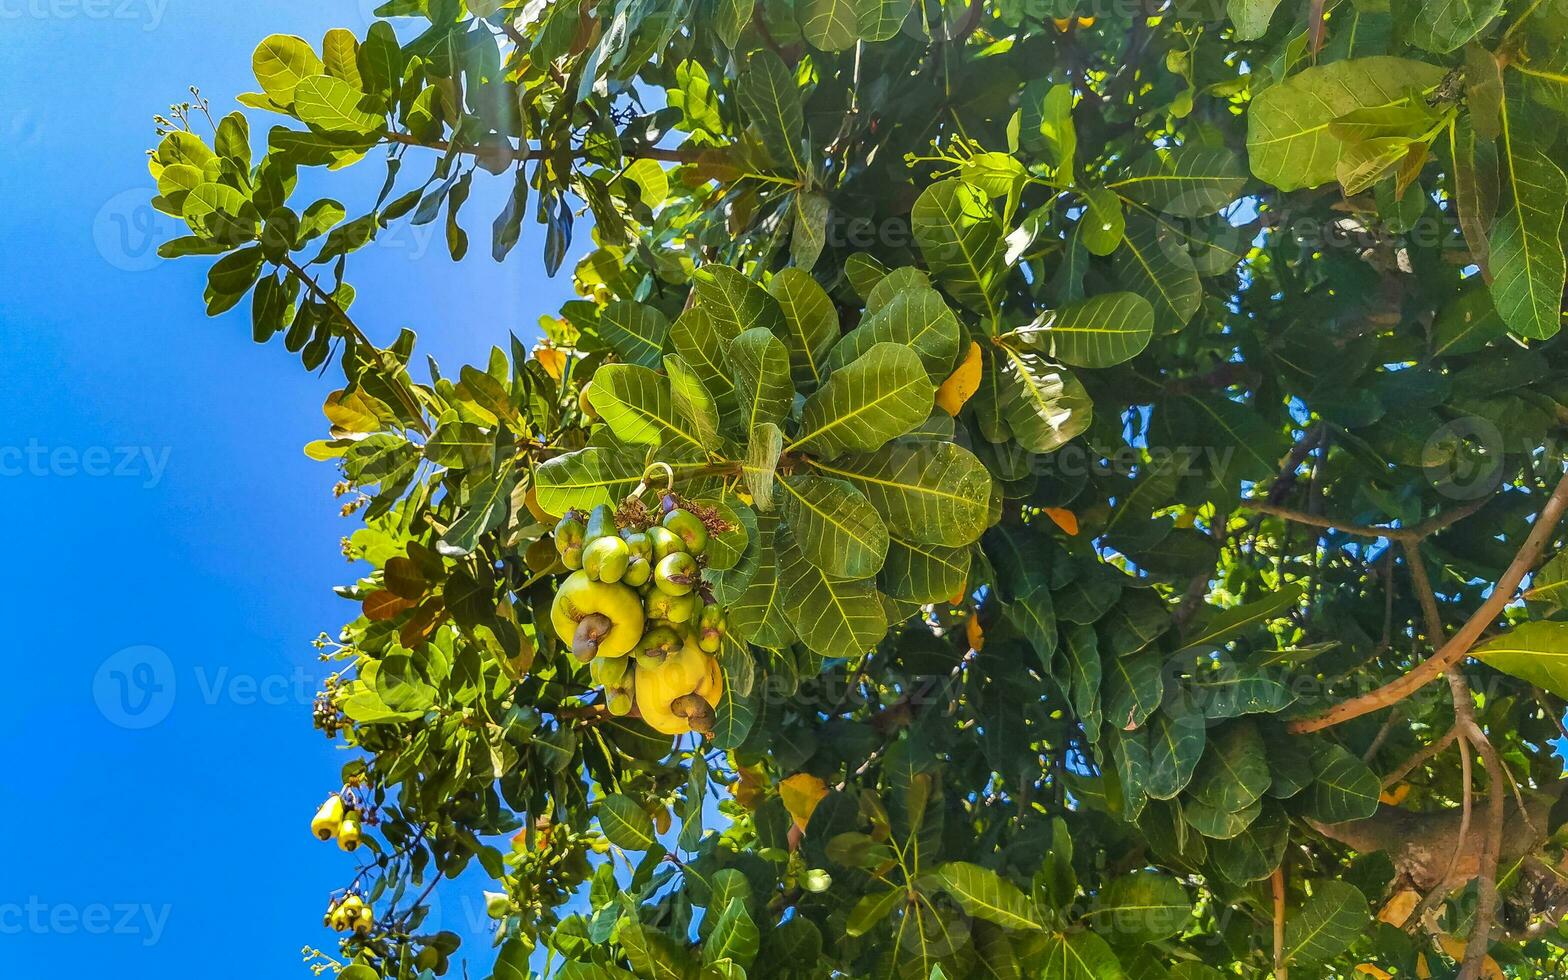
(516,154)
(1460,644)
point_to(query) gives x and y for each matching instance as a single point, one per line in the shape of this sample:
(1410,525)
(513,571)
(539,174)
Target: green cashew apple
(598,619)
(639,572)
(678,695)
(671,608)
(689,528)
(657,645)
(639,544)
(601,523)
(606,559)
(570,536)
(664,542)
(711,627)
(677,574)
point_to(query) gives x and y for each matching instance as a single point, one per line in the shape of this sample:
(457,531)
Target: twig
(1281,971)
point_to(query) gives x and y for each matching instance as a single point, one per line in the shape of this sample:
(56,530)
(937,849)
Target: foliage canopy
(1134,429)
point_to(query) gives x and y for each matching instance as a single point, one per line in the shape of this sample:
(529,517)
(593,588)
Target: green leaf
(635,331)
(626,824)
(833,617)
(1103,225)
(986,895)
(1442,26)
(1526,248)
(759,365)
(1234,772)
(1251,17)
(810,228)
(917,318)
(1327,924)
(1288,138)
(1046,124)
(757,615)
(730,18)
(834,525)
(1154,264)
(1077,956)
(586,478)
(653,954)
(923,573)
(762,462)
(811,326)
(829,25)
(734,937)
(219,213)
(1343,788)
(771,102)
(877,397)
(485,508)
(1176,738)
(961,238)
(1099,332)
(1025,397)
(1225,625)
(699,343)
(333,105)
(1189,181)
(1142,907)
(635,402)
(692,400)
(934,493)
(1134,687)
(871,909)
(1534,652)
(281,62)
(1255,852)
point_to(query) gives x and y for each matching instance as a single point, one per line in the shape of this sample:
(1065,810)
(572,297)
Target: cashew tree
(1024,490)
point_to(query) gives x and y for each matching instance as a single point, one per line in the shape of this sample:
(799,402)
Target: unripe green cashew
(677,574)
(597,618)
(671,608)
(601,523)
(606,559)
(689,528)
(569,540)
(664,542)
(640,545)
(639,572)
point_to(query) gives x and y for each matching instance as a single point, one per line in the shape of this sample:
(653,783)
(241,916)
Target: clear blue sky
(151,471)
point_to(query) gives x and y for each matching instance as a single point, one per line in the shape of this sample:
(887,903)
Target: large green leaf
(692,400)
(1251,17)
(772,103)
(762,462)
(759,365)
(1226,624)
(833,617)
(1177,734)
(984,894)
(1025,397)
(1526,248)
(586,478)
(1335,916)
(877,397)
(1099,332)
(1134,687)
(281,62)
(734,936)
(1288,139)
(1234,772)
(1153,263)
(1142,907)
(919,319)
(1442,26)
(1343,787)
(1535,652)
(961,238)
(635,402)
(757,614)
(1257,851)
(834,525)
(626,824)
(1189,181)
(923,573)
(1077,956)
(735,303)
(635,331)
(811,326)
(333,105)
(930,493)
(698,340)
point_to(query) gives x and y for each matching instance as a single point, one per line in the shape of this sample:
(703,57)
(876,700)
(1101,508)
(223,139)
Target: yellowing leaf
(961,385)
(1454,948)
(1398,909)
(975,633)
(1373,971)
(552,360)
(1395,796)
(1062,518)
(802,792)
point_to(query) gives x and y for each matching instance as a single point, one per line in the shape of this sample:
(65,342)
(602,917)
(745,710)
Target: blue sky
(172,549)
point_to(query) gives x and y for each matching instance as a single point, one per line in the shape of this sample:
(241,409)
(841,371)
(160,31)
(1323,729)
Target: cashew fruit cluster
(636,610)
(337,819)
(350,914)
